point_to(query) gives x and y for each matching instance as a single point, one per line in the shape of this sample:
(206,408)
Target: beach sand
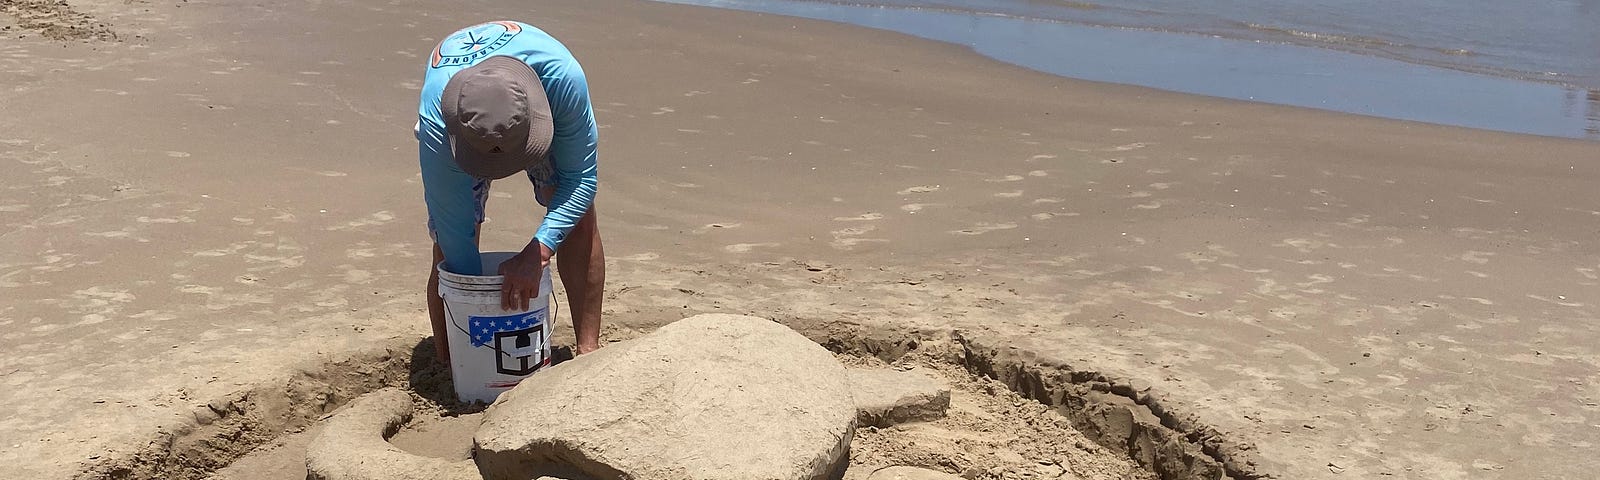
(988,432)
(221,213)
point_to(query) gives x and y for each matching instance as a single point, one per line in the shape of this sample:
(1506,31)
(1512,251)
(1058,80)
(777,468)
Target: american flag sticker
(519,341)
(484,328)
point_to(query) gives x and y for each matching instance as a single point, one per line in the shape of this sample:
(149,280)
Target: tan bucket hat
(498,117)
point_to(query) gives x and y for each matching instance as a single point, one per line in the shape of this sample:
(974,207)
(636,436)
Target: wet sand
(214,205)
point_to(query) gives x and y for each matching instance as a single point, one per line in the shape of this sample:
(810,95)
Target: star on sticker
(474,43)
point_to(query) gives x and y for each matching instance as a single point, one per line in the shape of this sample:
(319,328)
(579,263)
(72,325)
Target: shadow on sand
(430,378)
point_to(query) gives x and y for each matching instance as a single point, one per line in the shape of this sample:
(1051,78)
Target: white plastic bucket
(492,349)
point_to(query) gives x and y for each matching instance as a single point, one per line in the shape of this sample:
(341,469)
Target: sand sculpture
(910,473)
(708,397)
(887,397)
(353,446)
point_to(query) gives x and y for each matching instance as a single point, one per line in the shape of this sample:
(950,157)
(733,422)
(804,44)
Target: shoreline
(1239,257)
(1280,73)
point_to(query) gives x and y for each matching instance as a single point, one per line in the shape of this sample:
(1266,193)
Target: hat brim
(541,128)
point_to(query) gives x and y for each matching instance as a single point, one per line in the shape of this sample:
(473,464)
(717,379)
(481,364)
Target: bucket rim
(467,287)
(490,261)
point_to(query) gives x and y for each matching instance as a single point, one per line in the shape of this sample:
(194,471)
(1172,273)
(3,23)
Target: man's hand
(521,272)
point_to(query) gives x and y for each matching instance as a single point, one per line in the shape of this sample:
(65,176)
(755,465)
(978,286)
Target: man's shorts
(541,175)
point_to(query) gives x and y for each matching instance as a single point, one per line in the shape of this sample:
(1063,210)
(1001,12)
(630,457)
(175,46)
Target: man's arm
(451,204)
(573,154)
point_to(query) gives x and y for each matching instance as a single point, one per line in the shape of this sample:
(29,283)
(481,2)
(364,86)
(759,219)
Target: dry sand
(225,201)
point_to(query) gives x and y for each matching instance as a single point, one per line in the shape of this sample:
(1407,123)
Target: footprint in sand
(640,257)
(714,226)
(124,233)
(860,218)
(377,218)
(747,247)
(1477,257)
(845,239)
(919,189)
(1559,300)
(357,276)
(178,219)
(1588,273)
(983,228)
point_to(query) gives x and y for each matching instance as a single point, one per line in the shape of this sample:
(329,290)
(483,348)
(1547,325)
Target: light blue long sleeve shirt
(448,190)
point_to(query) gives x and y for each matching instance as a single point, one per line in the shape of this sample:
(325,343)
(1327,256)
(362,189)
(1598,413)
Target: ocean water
(1525,66)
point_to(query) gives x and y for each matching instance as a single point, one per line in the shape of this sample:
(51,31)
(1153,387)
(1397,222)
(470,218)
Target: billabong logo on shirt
(475,43)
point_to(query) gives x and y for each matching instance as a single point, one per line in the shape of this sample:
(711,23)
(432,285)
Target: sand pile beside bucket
(713,396)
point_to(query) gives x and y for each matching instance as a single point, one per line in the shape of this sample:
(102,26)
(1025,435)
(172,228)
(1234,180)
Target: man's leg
(582,263)
(441,334)
(441,340)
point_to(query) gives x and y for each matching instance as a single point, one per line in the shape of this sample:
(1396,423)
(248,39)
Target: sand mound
(712,396)
(352,446)
(910,473)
